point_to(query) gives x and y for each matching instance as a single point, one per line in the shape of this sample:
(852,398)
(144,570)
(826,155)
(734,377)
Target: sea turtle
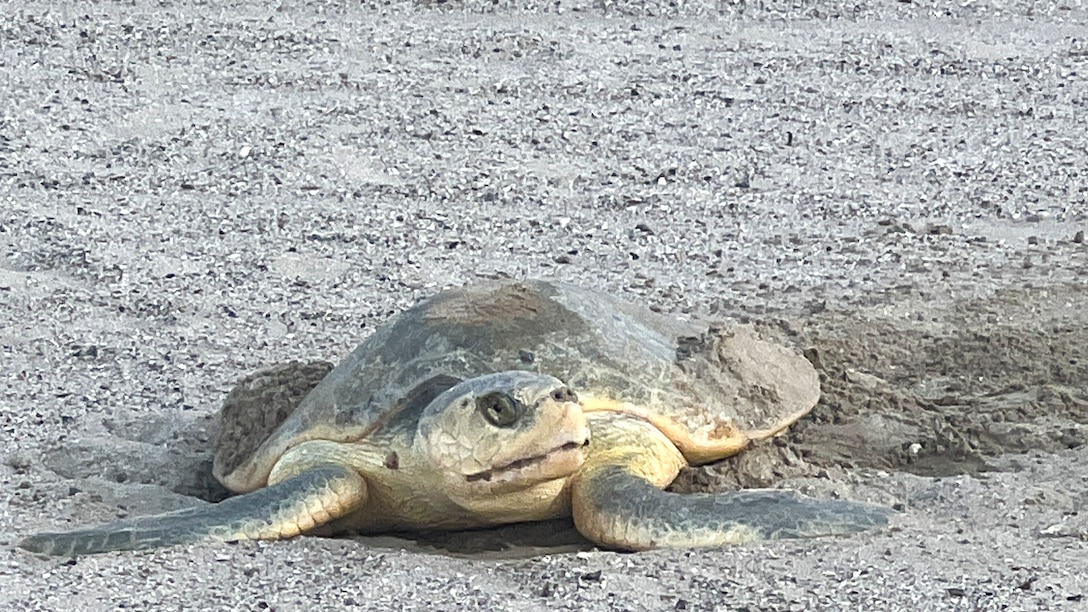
(505,402)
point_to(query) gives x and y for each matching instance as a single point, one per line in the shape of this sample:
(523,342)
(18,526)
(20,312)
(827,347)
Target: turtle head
(503,433)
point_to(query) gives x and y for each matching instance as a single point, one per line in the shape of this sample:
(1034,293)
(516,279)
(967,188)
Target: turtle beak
(571,426)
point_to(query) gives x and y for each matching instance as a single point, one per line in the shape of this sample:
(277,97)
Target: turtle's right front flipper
(310,499)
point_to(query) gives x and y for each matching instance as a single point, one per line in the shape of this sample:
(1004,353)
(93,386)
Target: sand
(190,191)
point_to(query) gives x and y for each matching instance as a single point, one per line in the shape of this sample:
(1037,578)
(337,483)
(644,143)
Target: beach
(192,191)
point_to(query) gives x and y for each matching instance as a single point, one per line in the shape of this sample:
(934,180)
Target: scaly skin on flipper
(618,501)
(257,405)
(630,513)
(284,510)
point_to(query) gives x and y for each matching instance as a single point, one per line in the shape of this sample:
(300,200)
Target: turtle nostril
(564,394)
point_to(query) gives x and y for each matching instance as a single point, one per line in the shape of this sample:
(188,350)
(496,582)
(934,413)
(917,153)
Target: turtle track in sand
(932,391)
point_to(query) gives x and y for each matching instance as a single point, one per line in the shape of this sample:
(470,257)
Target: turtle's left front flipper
(619,509)
(310,499)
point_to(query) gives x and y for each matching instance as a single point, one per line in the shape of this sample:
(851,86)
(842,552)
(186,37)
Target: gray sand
(193,190)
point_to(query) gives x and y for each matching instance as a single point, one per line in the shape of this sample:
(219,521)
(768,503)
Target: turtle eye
(499,409)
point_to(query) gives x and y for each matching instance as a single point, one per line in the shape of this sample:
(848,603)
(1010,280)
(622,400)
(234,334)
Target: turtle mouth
(520,464)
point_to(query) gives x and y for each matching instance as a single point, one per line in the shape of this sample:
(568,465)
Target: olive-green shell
(712,382)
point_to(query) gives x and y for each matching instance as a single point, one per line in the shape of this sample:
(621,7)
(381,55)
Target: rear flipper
(618,509)
(314,497)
